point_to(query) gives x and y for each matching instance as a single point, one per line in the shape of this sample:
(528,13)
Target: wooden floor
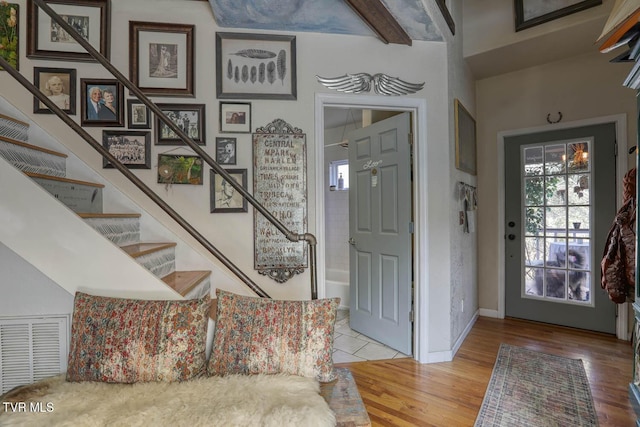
(402,392)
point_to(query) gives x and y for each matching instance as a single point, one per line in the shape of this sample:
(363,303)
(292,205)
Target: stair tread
(32,147)
(139,249)
(14,119)
(62,179)
(109,215)
(184,281)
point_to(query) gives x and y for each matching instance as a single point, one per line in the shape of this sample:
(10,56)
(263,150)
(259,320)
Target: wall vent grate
(32,348)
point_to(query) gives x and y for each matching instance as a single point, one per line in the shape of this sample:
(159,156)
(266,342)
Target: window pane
(556,190)
(555,280)
(578,157)
(534,191)
(554,158)
(556,220)
(533,161)
(533,221)
(578,189)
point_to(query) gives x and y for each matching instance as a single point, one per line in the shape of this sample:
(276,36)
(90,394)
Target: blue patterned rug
(529,388)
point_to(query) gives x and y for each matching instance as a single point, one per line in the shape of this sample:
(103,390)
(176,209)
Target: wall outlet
(462,306)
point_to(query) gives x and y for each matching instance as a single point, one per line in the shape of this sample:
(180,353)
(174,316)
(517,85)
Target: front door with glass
(560,201)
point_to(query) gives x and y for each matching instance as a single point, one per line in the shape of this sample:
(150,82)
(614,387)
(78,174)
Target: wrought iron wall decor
(280,184)
(362,82)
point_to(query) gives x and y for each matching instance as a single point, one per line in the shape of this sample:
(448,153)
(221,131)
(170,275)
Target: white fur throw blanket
(236,400)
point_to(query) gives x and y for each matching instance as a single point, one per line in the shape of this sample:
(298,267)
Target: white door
(560,195)
(380,206)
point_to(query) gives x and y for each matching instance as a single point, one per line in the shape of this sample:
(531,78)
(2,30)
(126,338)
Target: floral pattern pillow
(126,341)
(265,336)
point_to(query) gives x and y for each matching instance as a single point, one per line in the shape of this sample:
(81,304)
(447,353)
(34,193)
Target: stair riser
(203,288)
(121,231)
(35,161)
(14,130)
(77,197)
(160,263)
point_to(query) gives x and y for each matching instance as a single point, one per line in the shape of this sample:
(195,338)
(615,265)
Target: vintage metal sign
(280,184)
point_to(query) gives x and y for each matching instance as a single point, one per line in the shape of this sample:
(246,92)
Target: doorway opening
(391,321)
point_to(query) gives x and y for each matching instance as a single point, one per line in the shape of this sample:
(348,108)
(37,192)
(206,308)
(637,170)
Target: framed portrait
(188,117)
(442,5)
(534,12)
(255,66)
(235,117)
(226,151)
(179,169)
(9,32)
(131,148)
(465,139)
(47,40)
(59,85)
(138,115)
(161,58)
(225,198)
(101,102)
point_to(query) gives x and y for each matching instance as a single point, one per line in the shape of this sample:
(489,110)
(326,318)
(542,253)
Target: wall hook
(554,121)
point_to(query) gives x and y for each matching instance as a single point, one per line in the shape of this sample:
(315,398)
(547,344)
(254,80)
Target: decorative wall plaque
(280,184)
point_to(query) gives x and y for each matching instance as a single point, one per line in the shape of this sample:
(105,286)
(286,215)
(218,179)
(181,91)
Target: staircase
(47,168)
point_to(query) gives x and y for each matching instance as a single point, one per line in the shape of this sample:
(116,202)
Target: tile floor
(351,346)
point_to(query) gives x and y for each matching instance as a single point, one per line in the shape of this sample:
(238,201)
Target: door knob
(512,236)
(352,241)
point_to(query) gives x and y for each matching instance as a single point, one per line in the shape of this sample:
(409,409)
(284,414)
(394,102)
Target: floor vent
(32,348)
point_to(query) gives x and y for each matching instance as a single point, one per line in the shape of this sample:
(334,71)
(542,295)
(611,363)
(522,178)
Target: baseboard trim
(464,334)
(485,312)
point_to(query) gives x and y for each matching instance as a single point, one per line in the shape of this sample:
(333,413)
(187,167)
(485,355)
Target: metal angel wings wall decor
(362,82)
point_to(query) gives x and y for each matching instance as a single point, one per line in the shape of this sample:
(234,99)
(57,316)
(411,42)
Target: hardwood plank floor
(402,392)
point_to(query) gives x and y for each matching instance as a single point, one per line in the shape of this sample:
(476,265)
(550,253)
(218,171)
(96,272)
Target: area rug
(529,388)
(345,401)
(237,400)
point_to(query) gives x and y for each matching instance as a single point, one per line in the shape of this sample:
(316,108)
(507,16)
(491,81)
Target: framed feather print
(255,66)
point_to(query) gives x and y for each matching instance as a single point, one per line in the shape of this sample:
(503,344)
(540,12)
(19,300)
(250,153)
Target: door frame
(418,108)
(620,120)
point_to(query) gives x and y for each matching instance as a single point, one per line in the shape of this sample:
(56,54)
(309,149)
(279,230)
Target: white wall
(317,54)
(583,87)
(27,291)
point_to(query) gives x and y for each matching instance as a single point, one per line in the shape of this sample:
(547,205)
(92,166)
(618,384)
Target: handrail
(308,237)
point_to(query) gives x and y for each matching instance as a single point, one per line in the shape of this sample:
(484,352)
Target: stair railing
(291,236)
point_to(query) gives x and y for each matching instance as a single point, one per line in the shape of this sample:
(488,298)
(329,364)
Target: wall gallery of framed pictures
(161,59)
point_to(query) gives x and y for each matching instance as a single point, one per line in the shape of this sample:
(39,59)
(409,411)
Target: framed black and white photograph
(59,85)
(225,198)
(101,102)
(255,66)
(190,118)
(465,126)
(161,58)
(131,148)
(226,151)
(46,39)
(534,12)
(138,115)
(235,117)
(179,169)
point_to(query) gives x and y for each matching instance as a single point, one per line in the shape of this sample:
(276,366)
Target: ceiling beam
(377,17)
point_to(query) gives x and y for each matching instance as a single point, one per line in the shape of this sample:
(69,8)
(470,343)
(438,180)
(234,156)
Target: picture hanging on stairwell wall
(161,58)
(57,84)
(131,148)
(9,32)
(46,39)
(534,12)
(255,66)
(101,102)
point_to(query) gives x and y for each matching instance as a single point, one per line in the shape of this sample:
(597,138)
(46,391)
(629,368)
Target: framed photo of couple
(101,102)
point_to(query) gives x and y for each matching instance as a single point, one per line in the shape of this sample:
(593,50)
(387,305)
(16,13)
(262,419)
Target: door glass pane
(557,208)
